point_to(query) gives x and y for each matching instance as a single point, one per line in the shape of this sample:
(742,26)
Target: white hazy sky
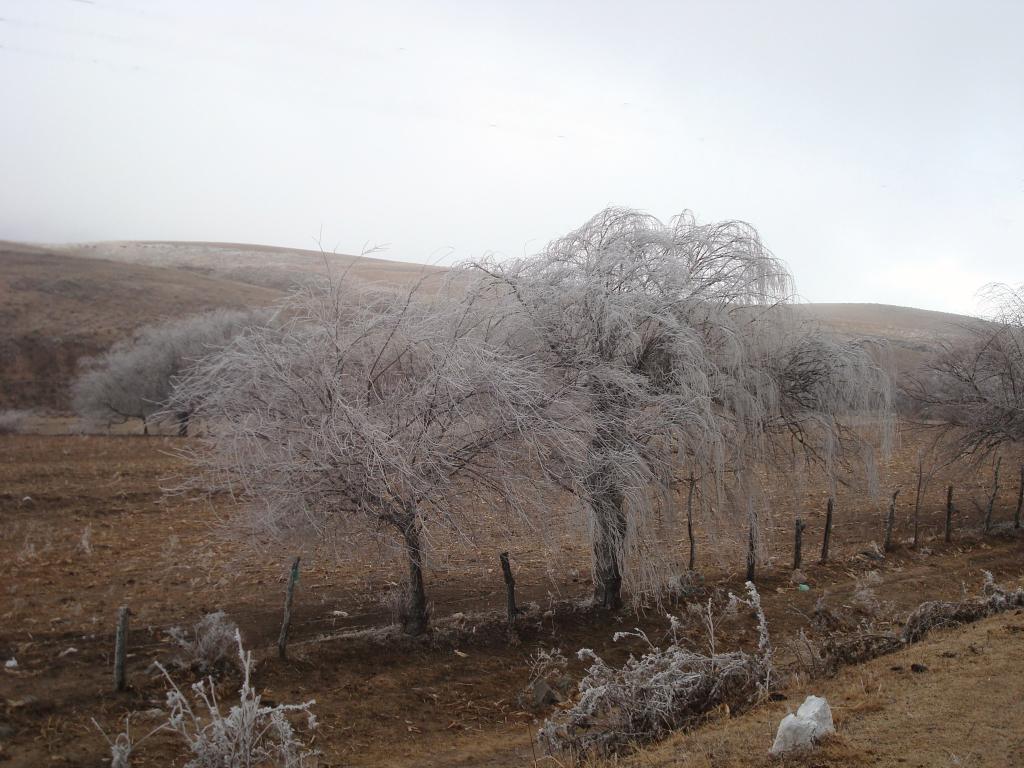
(877,146)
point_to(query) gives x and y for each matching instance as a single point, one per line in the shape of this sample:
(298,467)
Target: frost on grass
(249,735)
(210,648)
(662,690)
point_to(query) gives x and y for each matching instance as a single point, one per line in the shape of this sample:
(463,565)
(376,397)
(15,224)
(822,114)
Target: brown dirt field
(395,703)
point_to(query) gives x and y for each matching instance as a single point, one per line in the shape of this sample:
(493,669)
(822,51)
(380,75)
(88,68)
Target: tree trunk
(183,418)
(751,554)
(415,617)
(890,522)
(689,520)
(828,529)
(610,529)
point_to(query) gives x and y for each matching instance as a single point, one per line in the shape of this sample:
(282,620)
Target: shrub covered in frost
(211,646)
(12,422)
(660,691)
(249,735)
(936,613)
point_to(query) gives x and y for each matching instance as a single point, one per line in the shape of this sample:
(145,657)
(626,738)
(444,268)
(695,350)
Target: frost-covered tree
(361,409)
(135,377)
(675,342)
(973,390)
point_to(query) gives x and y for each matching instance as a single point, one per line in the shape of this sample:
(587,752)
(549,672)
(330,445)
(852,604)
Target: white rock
(11,663)
(812,721)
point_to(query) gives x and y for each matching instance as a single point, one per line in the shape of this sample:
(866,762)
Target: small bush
(123,745)
(395,602)
(210,649)
(249,735)
(13,422)
(660,691)
(935,613)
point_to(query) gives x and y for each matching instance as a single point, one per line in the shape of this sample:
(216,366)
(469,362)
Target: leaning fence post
(828,529)
(890,521)
(510,593)
(949,514)
(282,640)
(917,499)
(798,544)
(120,648)
(1020,499)
(992,498)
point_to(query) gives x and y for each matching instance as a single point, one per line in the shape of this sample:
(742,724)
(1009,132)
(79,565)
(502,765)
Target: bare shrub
(936,613)
(249,735)
(12,421)
(864,596)
(399,607)
(211,647)
(660,691)
(847,640)
(123,745)
(549,665)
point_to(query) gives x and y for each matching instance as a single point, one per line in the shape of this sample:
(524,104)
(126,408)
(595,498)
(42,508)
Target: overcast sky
(877,146)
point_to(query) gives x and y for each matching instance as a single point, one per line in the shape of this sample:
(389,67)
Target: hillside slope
(59,303)
(55,309)
(262,265)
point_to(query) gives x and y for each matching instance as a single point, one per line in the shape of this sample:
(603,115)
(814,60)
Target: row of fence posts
(512,611)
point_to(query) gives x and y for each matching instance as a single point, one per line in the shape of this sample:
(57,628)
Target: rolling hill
(56,308)
(64,302)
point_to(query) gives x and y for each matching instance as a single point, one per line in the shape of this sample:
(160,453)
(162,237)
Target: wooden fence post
(510,594)
(890,521)
(917,499)
(949,514)
(282,640)
(798,544)
(992,498)
(1020,499)
(121,648)
(828,529)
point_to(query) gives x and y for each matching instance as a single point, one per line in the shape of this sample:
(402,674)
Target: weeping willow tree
(676,344)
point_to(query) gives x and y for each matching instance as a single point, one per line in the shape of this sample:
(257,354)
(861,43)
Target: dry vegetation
(89,529)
